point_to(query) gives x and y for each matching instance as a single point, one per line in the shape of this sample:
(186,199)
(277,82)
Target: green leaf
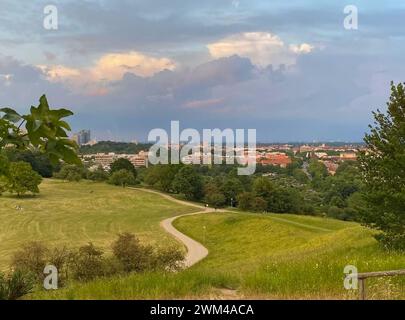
(43,105)
(61,113)
(11,115)
(45,131)
(65,125)
(61,133)
(37,125)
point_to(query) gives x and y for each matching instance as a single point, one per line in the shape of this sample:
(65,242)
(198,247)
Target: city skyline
(292,72)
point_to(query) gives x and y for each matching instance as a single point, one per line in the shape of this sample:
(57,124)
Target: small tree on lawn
(122,178)
(123,164)
(22,179)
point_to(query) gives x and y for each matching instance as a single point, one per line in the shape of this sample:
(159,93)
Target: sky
(289,69)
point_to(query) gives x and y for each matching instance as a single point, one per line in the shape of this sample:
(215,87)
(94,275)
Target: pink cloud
(202,104)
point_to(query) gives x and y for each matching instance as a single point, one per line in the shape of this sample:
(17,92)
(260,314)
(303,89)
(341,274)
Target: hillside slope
(259,256)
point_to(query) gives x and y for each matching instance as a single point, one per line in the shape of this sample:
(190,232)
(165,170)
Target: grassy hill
(77,213)
(290,256)
(257,256)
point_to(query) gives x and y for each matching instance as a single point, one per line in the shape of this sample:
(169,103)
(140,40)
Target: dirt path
(195,250)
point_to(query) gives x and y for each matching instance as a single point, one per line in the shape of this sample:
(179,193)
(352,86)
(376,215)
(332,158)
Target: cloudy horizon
(289,70)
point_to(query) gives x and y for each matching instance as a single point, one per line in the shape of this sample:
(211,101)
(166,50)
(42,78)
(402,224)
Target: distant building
(139,160)
(348,156)
(82,137)
(276,159)
(105,159)
(306,148)
(321,155)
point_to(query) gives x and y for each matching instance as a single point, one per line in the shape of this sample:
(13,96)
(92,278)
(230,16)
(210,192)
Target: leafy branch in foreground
(43,129)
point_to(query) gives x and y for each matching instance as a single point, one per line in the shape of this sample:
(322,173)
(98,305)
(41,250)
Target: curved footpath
(195,250)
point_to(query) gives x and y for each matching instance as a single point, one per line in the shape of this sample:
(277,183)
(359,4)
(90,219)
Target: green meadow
(74,214)
(250,255)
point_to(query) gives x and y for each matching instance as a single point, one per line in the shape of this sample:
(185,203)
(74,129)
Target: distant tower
(82,137)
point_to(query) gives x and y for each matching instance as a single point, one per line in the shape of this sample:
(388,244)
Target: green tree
(189,183)
(300,176)
(162,176)
(337,201)
(122,178)
(97,175)
(246,200)
(383,169)
(284,200)
(318,172)
(22,179)
(4,164)
(123,164)
(71,172)
(215,199)
(39,162)
(259,204)
(263,187)
(279,198)
(295,164)
(4,169)
(230,188)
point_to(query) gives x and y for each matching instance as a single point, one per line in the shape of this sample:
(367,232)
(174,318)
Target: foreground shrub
(61,258)
(135,257)
(88,263)
(15,285)
(31,258)
(132,255)
(169,259)
(34,256)
(392,241)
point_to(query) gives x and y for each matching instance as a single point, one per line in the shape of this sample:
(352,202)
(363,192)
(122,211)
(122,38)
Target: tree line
(371,190)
